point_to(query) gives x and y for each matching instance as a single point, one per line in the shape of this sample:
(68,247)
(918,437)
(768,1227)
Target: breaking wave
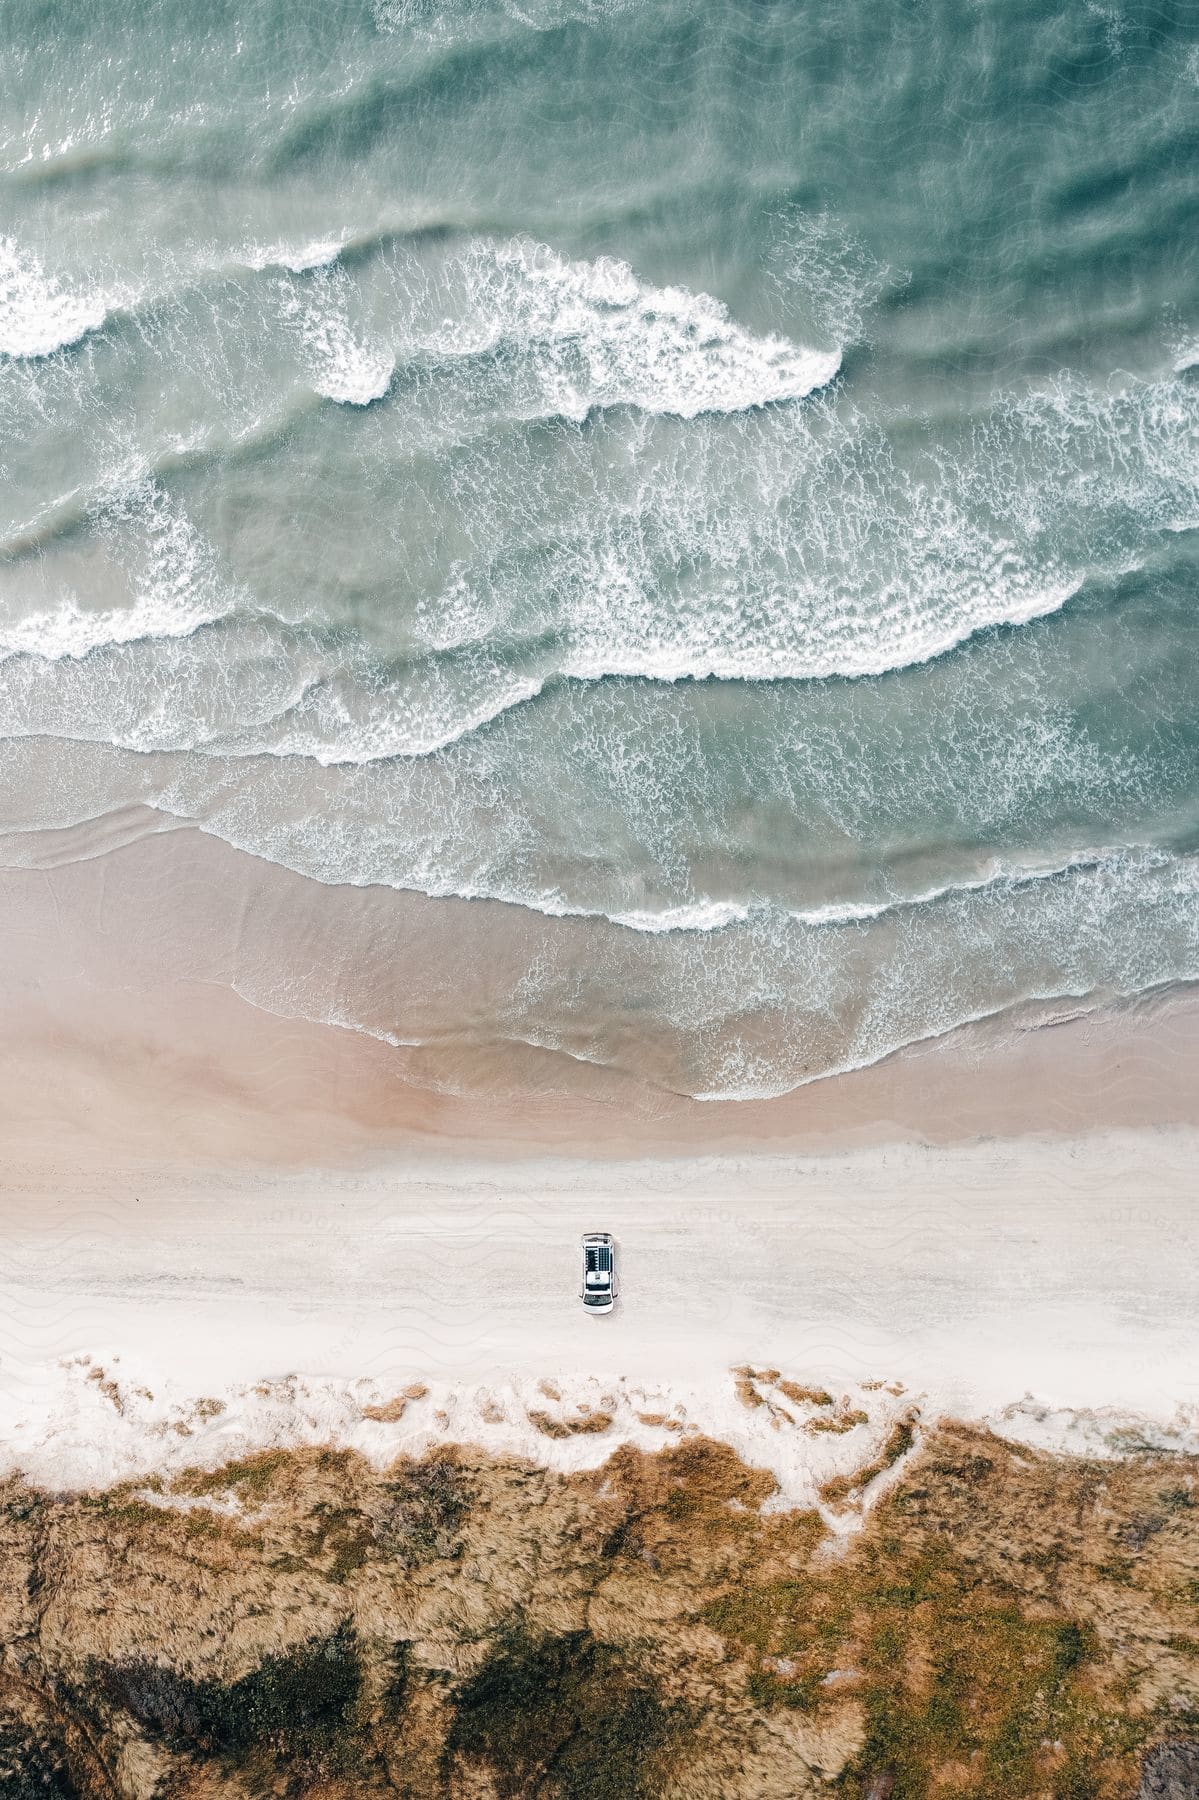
(38,315)
(171,579)
(584,334)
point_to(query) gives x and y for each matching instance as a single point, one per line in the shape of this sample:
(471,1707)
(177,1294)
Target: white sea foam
(808,554)
(831,276)
(808,550)
(322,727)
(347,371)
(755,1008)
(596,335)
(318,253)
(998,875)
(174,584)
(444,857)
(345,367)
(700,915)
(902,643)
(415,828)
(38,315)
(703,917)
(718,915)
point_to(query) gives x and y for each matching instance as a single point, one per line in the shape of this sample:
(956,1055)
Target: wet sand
(139,985)
(206,1194)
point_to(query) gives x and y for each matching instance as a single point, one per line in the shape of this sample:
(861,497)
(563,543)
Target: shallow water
(717,482)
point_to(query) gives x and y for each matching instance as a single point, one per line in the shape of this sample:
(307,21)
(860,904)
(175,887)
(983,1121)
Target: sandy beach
(1056,1265)
(1052,1273)
(201,1196)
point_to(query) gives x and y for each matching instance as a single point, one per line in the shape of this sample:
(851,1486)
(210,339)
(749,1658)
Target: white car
(598,1292)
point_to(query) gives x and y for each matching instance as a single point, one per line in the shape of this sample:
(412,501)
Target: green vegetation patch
(33,1766)
(342,1539)
(292,1707)
(963,1690)
(991,1688)
(565,1716)
(252,1476)
(795,1617)
(958,1677)
(422,1509)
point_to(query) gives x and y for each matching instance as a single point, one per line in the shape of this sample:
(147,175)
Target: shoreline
(191,1071)
(162,999)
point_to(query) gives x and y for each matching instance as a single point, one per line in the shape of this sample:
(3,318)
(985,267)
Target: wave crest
(169,572)
(571,335)
(37,314)
(598,336)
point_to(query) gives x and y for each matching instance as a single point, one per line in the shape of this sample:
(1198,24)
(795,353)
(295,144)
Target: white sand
(969,1278)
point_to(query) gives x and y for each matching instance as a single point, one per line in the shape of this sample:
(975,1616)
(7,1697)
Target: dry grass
(586,1426)
(391,1411)
(804,1396)
(108,1388)
(743,1386)
(839,1423)
(840,1490)
(661,1421)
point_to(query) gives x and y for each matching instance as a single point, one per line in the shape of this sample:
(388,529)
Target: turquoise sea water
(717,482)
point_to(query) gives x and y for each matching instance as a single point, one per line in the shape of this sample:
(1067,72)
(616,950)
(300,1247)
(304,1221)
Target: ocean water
(713,486)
